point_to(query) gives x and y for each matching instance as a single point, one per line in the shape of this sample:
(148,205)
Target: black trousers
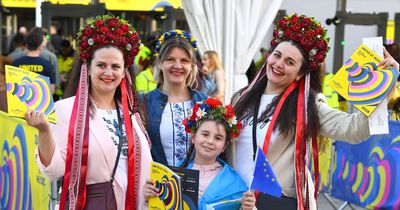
(267,202)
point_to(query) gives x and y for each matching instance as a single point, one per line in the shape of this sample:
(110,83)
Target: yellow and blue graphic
(22,186)
(367,174)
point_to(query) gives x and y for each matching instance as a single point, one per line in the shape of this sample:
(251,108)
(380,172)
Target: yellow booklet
(28,90)
(361,82)
(169,188)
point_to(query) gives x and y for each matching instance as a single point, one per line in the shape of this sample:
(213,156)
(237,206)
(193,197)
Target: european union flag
(264,179)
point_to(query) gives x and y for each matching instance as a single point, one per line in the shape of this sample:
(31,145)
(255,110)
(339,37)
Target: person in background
(19,45)
(145,81)
(282,113)
(32,61)
(204,81)
(55,39)
(65,60)
(331,95)
(99,143)
(261,60)
(212,130)
(46,54)
(21,30)
(4,60)
(168,104)
(212,65)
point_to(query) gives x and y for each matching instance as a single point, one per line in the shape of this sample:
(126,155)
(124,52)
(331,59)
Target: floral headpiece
(307,32)
(109,30)
(176,33)
(213,109)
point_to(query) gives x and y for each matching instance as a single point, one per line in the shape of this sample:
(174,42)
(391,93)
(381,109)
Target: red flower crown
(213,109)
(307,32)
(109,30)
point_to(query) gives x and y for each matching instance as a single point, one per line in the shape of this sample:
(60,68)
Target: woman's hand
(248,200)
(46,143)
(388,61)
(149,190)
(37,120)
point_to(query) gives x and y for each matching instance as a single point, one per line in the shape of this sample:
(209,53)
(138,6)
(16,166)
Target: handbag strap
(119,142)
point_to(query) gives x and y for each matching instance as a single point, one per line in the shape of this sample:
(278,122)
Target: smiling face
(283,67)
(209,142)
(176,67)
(106,71)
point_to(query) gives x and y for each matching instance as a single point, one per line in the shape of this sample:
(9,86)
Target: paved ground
(323,204)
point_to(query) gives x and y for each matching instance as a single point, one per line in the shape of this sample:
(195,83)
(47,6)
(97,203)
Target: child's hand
(248,200)
(149,190)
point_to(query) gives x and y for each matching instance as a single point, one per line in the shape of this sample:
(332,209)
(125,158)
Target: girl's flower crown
(307,32)
(176,33)
(213,109)
(109,30)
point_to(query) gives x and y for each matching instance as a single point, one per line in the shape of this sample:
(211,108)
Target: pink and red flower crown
(307,32)
(213,109)
(109,30)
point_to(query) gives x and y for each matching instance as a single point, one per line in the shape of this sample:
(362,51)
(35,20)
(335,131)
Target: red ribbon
(300,146)
(64,192)
(300,140)
(275,116)
(130,201)
(85,149)
(316,163)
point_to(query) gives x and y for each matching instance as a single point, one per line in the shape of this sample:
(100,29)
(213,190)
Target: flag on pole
(264,179)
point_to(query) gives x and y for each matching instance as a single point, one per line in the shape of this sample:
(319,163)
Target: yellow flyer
(22,185)
(169,188)
(28,90)
(361,82)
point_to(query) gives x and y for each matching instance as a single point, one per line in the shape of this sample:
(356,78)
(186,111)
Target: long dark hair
(286,121)
(190,155)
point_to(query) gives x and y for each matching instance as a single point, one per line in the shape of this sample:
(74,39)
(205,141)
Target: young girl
(213,126)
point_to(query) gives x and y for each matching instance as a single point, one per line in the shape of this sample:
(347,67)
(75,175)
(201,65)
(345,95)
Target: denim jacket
(155,102)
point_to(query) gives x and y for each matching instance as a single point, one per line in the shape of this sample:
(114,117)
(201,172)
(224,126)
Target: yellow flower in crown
(176,33)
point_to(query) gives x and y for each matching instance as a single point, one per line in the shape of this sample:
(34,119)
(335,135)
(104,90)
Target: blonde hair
(166,49)
(213,56)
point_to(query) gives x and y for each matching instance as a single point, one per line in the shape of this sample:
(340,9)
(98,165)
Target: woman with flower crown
(168,104)
(99,143)
(290,114)
(213,127)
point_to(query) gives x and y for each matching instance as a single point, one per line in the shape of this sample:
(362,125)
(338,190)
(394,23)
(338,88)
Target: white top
(244,145)
(175,140)
(110,119)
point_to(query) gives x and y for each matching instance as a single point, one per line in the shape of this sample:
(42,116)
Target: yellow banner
(140,5)
(390,32)
(32,3)
(123,5)
(22,186)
